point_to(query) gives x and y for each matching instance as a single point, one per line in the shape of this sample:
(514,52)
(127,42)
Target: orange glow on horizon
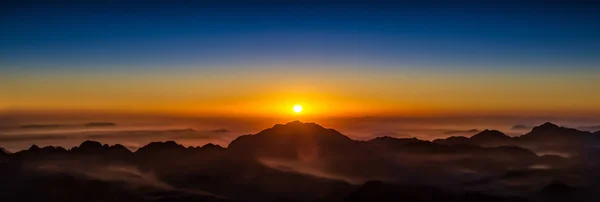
(332,93)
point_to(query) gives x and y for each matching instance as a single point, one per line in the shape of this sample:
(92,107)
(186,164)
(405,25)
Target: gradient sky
(259,59)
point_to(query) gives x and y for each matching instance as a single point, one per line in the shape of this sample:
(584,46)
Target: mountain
(92,147)
(288,139)
(551,134)
(187,159)
(313,148)
(155,148)
(298,141)
(491,138)
(484,138)
(95,152)
(168,149)
(296,162)
(557,147)
(35,151)
(545,138)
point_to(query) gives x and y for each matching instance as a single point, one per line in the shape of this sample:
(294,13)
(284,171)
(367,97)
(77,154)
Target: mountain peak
(299,124)
(545,128)
(550,128)
(490,134)
(33,148)
(297,128)
(94,147)
(158,146)
(484,138)
(212,146)
(167,144)
(554,134)
(287,139)
(88,146)
(119,148)
(547,125)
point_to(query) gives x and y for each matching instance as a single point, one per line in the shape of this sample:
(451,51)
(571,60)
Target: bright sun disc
(297,108)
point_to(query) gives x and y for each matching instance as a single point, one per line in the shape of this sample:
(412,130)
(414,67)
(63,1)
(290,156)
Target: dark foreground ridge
(306,162)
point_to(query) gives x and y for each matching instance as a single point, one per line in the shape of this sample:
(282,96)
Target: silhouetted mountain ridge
(96,147)
(158,146)
(34,149)
(545,137)
(289,139)
(484,138)
(549,132)
(490,135)
(309,162)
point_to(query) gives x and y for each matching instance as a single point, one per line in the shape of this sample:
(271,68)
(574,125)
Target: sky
(259,59)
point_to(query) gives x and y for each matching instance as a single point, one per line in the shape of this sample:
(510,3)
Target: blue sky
(479,35)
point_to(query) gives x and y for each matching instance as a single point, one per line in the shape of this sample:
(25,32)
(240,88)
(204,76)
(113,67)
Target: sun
(297,108)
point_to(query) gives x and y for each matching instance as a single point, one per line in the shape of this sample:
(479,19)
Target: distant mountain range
(306,162)
(58,126)
(544,138)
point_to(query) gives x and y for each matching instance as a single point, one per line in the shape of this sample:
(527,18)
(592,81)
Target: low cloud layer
(132,139)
